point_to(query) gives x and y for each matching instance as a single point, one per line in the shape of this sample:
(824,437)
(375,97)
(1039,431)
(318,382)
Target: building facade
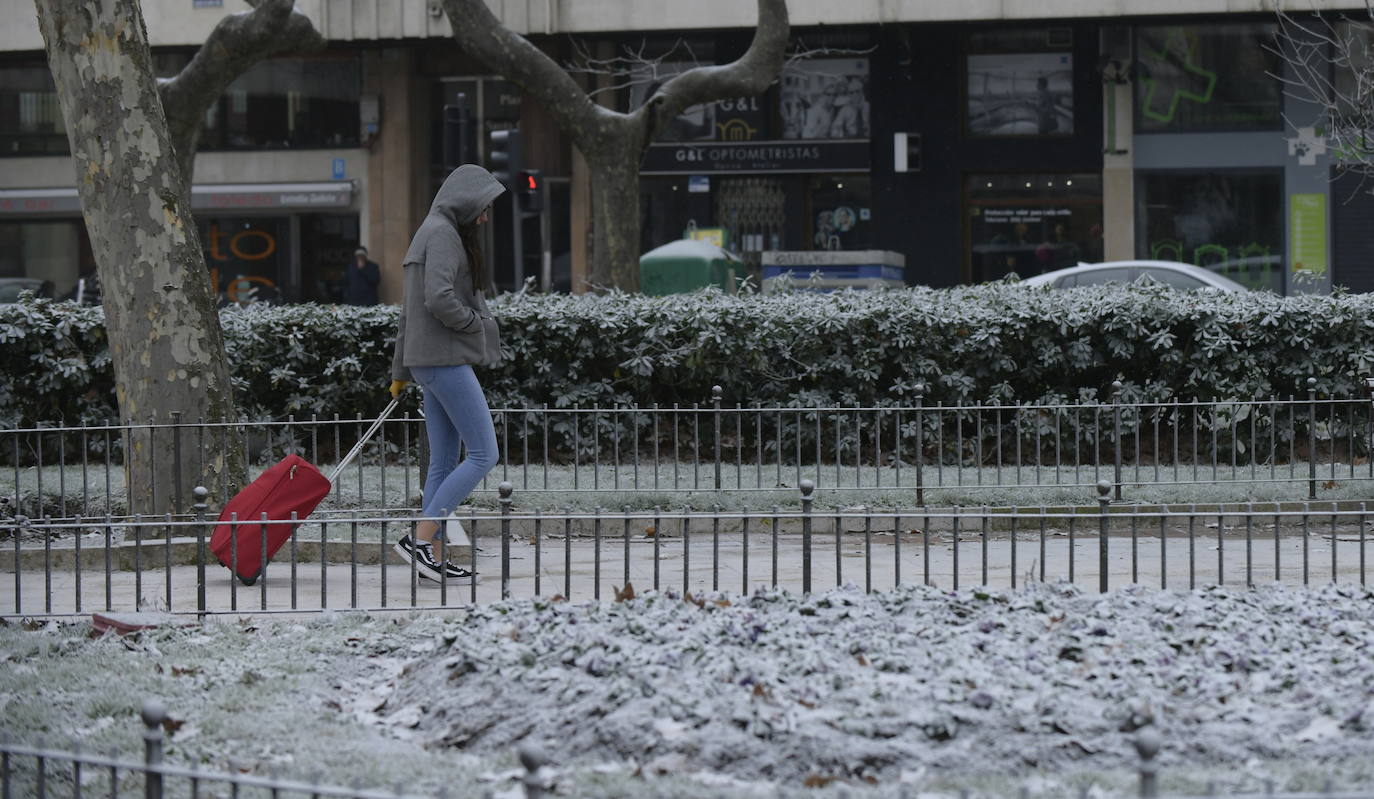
(976,138)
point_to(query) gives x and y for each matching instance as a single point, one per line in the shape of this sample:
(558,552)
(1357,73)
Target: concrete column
(580,223)
(391,168)
(1118,173)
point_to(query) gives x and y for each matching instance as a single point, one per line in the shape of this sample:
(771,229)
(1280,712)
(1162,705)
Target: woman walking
(446,329)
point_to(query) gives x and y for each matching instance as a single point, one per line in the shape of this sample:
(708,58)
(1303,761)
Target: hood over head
(466,192)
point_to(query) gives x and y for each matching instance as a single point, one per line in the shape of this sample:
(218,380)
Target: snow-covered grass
(908,692)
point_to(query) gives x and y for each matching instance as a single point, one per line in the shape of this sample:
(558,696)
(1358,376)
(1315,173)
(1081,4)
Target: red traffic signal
(530,190)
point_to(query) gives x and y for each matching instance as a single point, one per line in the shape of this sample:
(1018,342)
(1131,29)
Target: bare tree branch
(614,143)
(482,35)
(751,74)
(237,43)
(1332,66)
(803,53)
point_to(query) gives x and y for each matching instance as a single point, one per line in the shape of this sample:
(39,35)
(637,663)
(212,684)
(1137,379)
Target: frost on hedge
(965,345)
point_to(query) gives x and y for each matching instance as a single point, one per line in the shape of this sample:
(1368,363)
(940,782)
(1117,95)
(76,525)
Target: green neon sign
(1176,51)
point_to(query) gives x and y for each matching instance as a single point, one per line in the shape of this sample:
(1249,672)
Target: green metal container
(686,265)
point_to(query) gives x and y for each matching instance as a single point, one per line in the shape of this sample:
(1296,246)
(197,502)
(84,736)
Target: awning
(213,197)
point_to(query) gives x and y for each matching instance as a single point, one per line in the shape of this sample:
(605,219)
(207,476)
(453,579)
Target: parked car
(11,287)
(1179,276)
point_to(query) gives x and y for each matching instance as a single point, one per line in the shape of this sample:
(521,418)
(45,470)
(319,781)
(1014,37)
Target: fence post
(176,463)
(1147,745)
(716,393)
(920,446)
(807,487)
(153,716)
(1116,423)
(505,490)
(1312,438)
(201,493)
(533,760)
(1103,489)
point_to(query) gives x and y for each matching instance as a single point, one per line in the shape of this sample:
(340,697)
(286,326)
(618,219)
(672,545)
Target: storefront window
(288,103)
(55,252)
(30,118)
(825,98)
(327,245)
(1020,94)
(1032,224)
(1218,77)
(1228,222)
(841,213)
(249,257)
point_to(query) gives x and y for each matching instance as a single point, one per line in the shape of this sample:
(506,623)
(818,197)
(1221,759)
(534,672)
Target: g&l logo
(736,130)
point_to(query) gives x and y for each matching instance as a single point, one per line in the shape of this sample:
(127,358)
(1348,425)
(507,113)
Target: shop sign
(219,199)
(500,101)
(710,235)
(1307,232)
(1029,216)
(284,196)
(39,202)
(845,155)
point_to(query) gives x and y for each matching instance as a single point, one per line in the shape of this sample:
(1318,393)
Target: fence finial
(533,759)
(1147,745)
(505,489)
(1104,487)
(154,713)
(807,487)
(717,392)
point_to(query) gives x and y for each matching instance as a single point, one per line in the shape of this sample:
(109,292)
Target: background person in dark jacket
(445,330)
(363,276)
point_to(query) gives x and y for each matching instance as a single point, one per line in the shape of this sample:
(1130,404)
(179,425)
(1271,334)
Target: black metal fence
(39,772)
(60,567)
(1308,445)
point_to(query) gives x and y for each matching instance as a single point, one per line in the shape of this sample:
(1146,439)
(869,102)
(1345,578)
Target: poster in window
(825,98)
(1020,94)
(697,123)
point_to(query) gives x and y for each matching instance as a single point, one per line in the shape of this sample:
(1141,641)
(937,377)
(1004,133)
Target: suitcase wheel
(248,580)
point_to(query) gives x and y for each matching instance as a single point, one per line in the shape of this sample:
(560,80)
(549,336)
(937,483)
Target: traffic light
(505,155)
(457,127)
(529,189)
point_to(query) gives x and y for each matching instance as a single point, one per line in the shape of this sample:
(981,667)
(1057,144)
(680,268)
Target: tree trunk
(615,219)
(165,340)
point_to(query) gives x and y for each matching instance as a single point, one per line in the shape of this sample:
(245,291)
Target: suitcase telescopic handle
(358,447)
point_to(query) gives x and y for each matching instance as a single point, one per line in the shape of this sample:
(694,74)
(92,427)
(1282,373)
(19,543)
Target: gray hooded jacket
(443,322)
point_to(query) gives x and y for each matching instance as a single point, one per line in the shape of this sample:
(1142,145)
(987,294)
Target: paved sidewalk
(585,568)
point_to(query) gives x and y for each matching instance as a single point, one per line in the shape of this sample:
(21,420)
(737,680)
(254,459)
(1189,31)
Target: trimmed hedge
(967,345)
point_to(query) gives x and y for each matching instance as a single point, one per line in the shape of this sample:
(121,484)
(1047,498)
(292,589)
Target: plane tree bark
(133,144)
(164,335)
(614,143)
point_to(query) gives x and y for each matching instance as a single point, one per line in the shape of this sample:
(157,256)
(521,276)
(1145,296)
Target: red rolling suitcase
(293,485)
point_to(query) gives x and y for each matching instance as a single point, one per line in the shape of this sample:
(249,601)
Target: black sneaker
(457,574)
(420,555)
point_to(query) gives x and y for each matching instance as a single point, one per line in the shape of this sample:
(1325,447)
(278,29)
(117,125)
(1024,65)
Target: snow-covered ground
(911,692)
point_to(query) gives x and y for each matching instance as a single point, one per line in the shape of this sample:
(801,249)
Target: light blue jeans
(456,413)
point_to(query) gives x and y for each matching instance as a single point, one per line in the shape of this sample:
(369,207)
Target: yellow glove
(397,386)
